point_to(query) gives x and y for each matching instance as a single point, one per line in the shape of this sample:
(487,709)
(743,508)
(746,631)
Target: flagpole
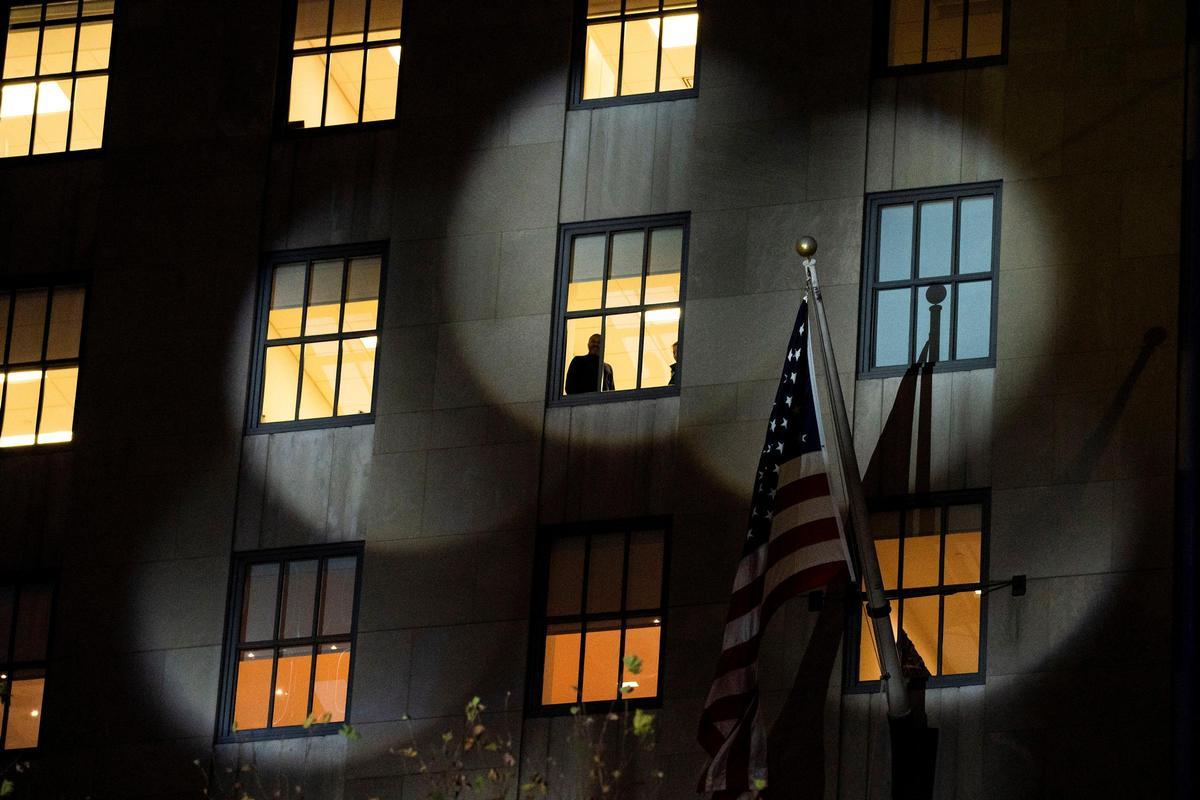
(878,608)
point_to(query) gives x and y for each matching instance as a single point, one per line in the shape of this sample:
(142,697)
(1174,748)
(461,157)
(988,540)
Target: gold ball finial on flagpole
(806,246)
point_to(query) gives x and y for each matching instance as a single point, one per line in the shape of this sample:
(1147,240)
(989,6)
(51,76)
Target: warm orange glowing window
(931,558)
(943,31)
(637,48)
(24,646)
(345,62)
(319,339)
(39,364)
(55,80)
(290,662)
(604,606)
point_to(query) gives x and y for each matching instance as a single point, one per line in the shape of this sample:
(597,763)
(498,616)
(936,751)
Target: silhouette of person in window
(674,365)
(583,373)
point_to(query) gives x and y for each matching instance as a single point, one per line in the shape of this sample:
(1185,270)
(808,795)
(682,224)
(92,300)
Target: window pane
(632,6)
(337,604)
(622,334)
(320,372)
(582,355)
(895,243)
(665,263)
(603,8)
(53,105)
(642,637)
(292,676)
(58,405)
(362,295)
(58,47)
(625,270)
(65,9)
(281,375)
(333,675)
(962,558)
(907,28)
(383,76)
(324,298)
(937,234)
(95,41)
(640,56)
(385,19)
(253,692)
(66,317)
(308,87)
(258,604)
(87,125)
(868,659)
(358,376)
(33,623)
(560,677)
(16,118)
(922,548)
(25,12)
(299,599)
(24,710)
(945,30)
(20,57)
(960,634)
(975,235)
(349,17)
(658,359)
(885,527)
(95,7)
(891,327)
(601,661)
(345,86)
(974,334)
(985,28)
(312,21)
(587,268)
(20,408)
(601,60)
(644,589)
(925,320)
(28,327)
(679,52)
(287,299)
(564,583)
(606,564)
(921,624)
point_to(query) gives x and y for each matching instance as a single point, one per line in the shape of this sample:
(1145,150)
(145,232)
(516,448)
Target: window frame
(262,313)
(48,282)
(868,317)
(18,580)
(900,505)
(882,29)
(283,88)
(66,154)
(240,565)
(579,51)
(546,537)
(558,371)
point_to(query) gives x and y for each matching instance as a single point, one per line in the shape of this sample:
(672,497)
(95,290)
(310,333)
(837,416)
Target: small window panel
(933,558)
(290,641)
(621,298)
(635,50)
(915,35)
(932,258)
(40,329)
(54,86)
(318,339)
(602,590)
(345,62)
(24,651)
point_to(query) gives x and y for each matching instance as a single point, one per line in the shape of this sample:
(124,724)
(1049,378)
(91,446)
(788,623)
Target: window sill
(940,66)
(634,99)
(594,707)
(65,157)
(311,424)
(270,734)
(940,367)
(596,398)
(285,133)
(941,682)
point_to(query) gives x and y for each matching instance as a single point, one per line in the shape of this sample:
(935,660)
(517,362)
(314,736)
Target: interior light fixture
(26,376)
(394,52)
(54,437)
(680,31)
(662,315)
(657,621)
(21,440)
(34,713)
(18,98)
(370,342)
(629,684)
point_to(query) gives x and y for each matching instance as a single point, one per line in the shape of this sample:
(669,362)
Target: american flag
(793,545)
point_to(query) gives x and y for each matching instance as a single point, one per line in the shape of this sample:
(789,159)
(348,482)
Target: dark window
(24,648)
(289,652)
(634,50)
(318,337)
(40,329)
(931,261)
(913,35)
(55,81)
(345,62)
(601,599)
(933,557)
(620,309)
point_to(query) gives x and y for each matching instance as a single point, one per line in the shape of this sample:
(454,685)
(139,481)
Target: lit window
(39,364)
(604,605)
(943,32)
(292,621)
(931,262)
(620,308)
(319,336)
(932,560)
(55,82)
(345,62)
(24,646)
(636,49)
